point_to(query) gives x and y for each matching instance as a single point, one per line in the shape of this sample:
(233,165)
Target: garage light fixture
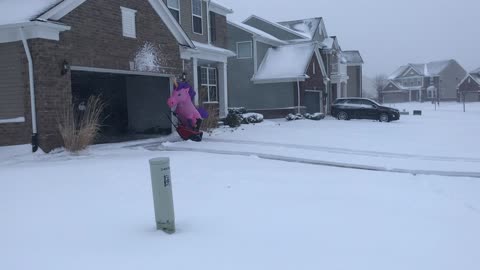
(65,67)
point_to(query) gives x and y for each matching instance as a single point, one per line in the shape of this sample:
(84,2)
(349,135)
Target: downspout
(32,92)
(208,23)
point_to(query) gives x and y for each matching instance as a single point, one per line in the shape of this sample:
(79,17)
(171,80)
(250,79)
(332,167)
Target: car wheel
(384,117)
(342,116)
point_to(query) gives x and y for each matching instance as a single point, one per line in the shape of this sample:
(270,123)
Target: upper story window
(244,50)
(174,7)
(128,22)
(197,18)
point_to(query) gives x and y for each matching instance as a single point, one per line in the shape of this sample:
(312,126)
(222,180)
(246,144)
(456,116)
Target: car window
(341,101)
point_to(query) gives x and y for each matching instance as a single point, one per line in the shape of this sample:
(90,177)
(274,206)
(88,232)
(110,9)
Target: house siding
(450,78)
(221,31)
(354,86)
(14,95)
(242,91)
(470,89)
(95,40)
(186,20)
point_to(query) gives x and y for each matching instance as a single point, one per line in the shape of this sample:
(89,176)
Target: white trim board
(118,71)
(12,120)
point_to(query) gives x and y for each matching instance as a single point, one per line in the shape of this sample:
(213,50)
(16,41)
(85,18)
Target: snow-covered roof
(277,25)
(353,57)
(476,71)
(305,27)
(20,11)
(286,63)
(428,69)
(219,8)
(328,43)
(256,32)
(214,49)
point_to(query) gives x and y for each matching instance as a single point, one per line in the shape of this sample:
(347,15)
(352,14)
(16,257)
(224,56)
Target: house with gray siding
(424,82)
(355,73)
(469,87)
(334,65)
(271,75)
(55,54)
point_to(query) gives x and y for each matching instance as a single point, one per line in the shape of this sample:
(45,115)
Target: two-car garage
(135,103)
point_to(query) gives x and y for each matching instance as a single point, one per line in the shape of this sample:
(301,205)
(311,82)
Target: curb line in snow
(345,150)
(314,162)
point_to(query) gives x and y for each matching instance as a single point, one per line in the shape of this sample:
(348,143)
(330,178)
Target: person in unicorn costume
(181,102)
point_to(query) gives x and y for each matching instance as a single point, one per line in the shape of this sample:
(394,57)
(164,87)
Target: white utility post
(195,80)
(162,194)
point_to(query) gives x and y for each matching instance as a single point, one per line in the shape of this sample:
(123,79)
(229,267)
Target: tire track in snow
(346,151)
(313,161)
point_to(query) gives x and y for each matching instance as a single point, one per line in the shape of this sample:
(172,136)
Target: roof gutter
(32,91)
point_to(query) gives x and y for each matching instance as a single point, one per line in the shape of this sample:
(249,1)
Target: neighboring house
(270,75)
(318,91)
(469,87)
(424,82)
(55,54)
(354,72)
(205,22)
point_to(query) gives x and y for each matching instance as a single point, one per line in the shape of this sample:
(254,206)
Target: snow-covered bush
(252,118)
(315,116)
(233,120)
(292,117)
(237,110)
(79,127)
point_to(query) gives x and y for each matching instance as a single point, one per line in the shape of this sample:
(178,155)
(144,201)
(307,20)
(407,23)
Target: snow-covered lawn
(95,210)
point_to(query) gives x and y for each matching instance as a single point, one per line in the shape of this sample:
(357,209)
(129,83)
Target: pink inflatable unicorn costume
(186,112)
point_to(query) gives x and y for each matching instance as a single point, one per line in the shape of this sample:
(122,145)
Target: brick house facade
(93,42)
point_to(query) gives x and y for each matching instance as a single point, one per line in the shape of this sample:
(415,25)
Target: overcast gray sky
(387,33)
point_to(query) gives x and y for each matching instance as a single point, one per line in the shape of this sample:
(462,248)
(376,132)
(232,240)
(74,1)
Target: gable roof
(304,27)
(287,63)
(257,33)
(276,25)
(353,57)
(25,11)
(429,69)
(477,71)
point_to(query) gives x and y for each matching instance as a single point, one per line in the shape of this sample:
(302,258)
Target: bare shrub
(211,123)
(79,128)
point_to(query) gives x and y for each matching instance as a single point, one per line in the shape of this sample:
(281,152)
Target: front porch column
(410,95)
(223,90)
(195,80)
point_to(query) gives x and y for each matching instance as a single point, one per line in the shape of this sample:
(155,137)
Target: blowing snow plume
(147,58)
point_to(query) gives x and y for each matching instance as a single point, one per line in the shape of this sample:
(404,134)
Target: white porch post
(298,96)
(223,93)
(410,95)
(195,79)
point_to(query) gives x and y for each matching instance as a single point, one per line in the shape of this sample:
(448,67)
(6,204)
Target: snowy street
(95,210)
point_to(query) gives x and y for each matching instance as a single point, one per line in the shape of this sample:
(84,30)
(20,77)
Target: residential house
(317,90)
(469,87)
(424,82)
(205,23)
(55,54)
(355,73)
(273,76)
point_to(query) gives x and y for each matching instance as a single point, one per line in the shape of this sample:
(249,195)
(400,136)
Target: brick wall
(315,82)
(19,133)
(95,40)
(221,26)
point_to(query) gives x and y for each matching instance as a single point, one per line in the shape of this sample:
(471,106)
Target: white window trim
(251,53)
(195,15)
(208,84)
(133,12)
(314,70)
(177,9)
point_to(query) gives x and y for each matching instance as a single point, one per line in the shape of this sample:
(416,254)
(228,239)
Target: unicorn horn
(175,83)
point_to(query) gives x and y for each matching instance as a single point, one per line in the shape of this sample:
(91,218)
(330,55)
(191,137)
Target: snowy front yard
(95,211)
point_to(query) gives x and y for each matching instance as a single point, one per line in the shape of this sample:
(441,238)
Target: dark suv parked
(363,108)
